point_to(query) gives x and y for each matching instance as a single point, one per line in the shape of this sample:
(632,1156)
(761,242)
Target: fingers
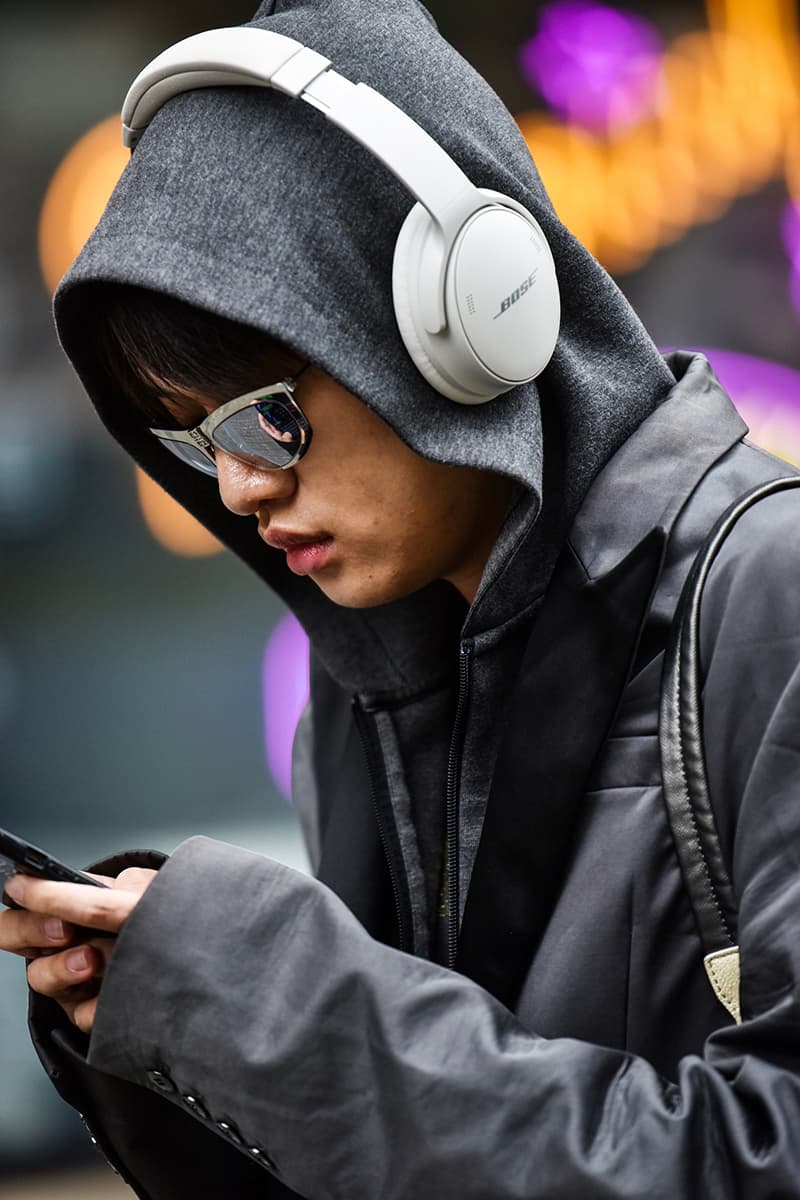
(72,978)
(82,1014)
(51,911)
(28,934)
(103,909)
(134,879)
(64,976)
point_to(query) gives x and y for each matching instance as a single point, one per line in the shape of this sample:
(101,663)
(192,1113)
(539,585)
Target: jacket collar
(671,450)
(576,664)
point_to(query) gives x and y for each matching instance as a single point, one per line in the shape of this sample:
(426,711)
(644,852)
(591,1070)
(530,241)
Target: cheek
(398,519)
(397,512)
(398,542)
(385,537)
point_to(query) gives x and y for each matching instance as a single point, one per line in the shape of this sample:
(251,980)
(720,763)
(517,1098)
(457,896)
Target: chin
(365,593)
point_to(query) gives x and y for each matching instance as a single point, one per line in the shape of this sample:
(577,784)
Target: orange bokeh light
(727,125)
(74,203)
(77,195)
(170,524)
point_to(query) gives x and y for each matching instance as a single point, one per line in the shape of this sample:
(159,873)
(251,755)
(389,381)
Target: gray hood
(252,205)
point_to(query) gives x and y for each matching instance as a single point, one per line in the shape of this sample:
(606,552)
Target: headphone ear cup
(412,242)
(500,293)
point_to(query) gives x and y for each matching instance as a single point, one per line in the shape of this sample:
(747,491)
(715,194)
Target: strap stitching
(697,838)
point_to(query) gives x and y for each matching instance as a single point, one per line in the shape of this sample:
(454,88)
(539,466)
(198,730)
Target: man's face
(368,519)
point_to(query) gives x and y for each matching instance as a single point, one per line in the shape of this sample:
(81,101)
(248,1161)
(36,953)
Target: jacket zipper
(453,774)
(376,772)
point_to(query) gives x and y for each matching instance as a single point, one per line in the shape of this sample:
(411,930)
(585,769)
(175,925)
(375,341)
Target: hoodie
(250,204)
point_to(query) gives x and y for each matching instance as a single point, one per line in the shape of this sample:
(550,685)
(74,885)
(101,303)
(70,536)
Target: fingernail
(77,960)
(15,888)
(54,928)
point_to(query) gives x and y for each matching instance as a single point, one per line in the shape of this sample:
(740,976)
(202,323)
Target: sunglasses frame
(201,437)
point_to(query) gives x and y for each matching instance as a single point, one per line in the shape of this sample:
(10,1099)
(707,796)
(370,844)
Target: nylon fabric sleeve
(366,1072)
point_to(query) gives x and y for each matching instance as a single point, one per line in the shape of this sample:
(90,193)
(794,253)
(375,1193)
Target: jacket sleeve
(159,1149)
(364,1072)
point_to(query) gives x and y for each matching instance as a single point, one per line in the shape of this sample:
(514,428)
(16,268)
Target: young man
(494,986)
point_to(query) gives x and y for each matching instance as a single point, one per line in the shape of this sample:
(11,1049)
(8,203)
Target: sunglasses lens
(270,432)
(190,454)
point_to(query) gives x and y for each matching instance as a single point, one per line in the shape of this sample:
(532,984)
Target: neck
(498,499)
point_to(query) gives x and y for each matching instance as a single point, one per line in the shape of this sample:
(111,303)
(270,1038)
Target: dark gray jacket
(576,1050)
(543,1029)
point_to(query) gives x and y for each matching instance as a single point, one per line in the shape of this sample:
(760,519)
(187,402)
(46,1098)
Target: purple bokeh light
(284,678)
(757,381)
(767,394)
(594,65)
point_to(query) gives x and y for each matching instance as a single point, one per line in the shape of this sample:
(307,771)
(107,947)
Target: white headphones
(475,291)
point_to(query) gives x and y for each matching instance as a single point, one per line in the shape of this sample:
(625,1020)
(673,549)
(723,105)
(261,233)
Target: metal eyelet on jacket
(161,1080)
(231,1132)
(195,1104)
(261,1155)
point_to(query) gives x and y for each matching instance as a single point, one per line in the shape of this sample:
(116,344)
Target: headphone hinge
(300,71)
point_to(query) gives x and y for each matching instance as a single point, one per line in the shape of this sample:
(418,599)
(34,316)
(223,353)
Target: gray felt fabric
(250,204)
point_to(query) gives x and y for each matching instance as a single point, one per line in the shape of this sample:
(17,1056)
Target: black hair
(152,347)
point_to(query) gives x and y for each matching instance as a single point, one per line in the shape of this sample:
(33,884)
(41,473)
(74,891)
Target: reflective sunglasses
(265,428)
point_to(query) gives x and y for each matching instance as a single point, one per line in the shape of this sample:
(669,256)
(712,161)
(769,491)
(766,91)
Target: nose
(243,487)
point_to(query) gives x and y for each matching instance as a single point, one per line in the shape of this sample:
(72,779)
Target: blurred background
(668,136)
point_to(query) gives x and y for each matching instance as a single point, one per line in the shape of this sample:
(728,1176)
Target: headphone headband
(470,367)
(262,58)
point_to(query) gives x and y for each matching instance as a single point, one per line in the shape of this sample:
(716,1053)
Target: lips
(281,540)
(305,552)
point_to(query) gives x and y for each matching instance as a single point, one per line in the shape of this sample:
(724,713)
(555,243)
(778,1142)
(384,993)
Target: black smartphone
(19,856)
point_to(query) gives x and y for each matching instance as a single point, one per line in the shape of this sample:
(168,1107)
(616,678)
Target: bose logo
(525,286)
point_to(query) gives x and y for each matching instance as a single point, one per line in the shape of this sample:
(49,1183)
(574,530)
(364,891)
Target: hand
(70,974)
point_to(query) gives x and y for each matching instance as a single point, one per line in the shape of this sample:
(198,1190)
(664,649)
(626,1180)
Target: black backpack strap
(683,767)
